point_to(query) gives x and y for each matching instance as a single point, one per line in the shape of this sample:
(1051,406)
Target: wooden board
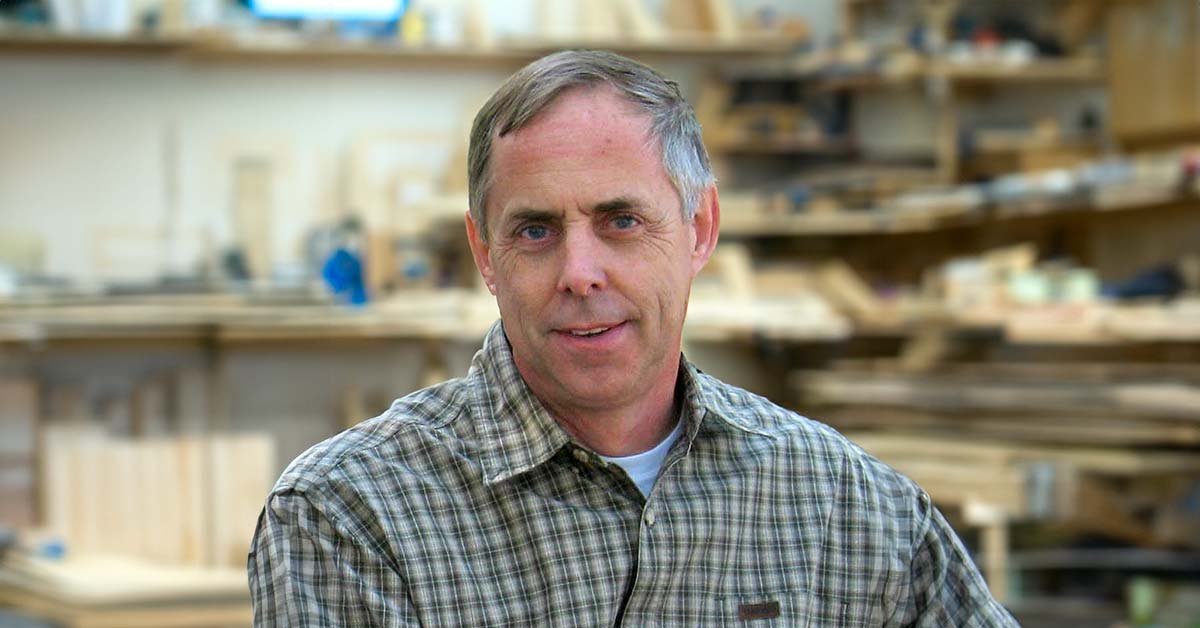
(637,22)
(1164,400)
(242,469)
(1110,461)
(711,17)
(161,615)
(151,398)
(182,501)
(839,283)
(252,209)
(87,590)
(598,21)
(1153,49)
(192,387)
(19,401)
(1040,427)
(556,20)
(1091,372)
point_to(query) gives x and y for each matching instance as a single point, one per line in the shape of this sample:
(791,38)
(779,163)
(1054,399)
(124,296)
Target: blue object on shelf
(1160,281)
(55,549)
(343,273)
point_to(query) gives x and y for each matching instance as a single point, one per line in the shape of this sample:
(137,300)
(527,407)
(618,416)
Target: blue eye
(624,222)
(534,232)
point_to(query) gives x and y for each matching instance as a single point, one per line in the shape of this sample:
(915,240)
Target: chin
(593,390)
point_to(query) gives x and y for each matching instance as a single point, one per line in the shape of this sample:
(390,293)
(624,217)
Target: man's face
(588,253)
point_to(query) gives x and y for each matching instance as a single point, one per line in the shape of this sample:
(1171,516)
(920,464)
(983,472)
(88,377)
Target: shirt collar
(517,432)
(706,398)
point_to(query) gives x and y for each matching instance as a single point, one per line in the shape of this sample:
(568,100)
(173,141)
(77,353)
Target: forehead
(586,137)
(582,121)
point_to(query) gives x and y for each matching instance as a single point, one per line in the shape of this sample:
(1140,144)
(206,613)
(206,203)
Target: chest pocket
(789,608)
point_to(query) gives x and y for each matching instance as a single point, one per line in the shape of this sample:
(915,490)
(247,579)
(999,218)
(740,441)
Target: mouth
(591,331)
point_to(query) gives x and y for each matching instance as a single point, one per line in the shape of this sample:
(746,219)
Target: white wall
(123,164)
(82,145)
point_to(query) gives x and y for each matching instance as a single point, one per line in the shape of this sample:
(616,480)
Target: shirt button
(581,455)
(650,518)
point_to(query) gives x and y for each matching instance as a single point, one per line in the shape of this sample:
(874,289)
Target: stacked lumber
(1074,404)
(1102,448)
(18,411)
(109,591)
(732,300)
(600,21)
(180,501)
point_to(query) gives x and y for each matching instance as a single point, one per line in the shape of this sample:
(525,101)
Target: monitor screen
(329,9)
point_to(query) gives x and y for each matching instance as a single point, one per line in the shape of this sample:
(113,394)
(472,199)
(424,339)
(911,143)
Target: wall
(82,157)
(123,165)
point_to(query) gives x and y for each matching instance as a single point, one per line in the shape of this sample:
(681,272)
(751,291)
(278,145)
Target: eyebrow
(621,203)
(529,214)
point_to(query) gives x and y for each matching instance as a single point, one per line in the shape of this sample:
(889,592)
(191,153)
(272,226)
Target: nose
(582,263)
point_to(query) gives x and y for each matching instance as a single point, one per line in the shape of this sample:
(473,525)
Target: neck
(623,431)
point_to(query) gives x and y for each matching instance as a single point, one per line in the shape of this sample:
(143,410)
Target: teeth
(589,332)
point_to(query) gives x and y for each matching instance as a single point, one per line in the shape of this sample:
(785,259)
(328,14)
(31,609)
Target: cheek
(666,286)
(523,287)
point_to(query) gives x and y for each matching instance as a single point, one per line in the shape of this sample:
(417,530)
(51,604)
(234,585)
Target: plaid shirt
(466,504)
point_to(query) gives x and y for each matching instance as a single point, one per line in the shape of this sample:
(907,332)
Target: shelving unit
(785,146)
(1014,417)
(18,42)
(1080,69)
(209,49)
(991,407)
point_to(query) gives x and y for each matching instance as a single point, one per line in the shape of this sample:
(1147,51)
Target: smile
(595,332)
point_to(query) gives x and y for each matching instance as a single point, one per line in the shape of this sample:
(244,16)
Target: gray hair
(537,85)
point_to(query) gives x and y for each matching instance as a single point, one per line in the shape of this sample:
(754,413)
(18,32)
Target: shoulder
(823,453)
(414,423)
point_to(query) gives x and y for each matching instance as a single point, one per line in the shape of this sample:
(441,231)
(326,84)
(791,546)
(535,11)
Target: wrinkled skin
(586,233)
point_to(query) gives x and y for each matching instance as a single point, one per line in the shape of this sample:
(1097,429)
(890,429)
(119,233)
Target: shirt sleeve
(304,571)
(946,589)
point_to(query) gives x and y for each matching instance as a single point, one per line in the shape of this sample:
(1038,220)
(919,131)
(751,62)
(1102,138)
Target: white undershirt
(643,468)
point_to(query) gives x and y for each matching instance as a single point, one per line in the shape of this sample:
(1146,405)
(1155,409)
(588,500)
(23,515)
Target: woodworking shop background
(963,232)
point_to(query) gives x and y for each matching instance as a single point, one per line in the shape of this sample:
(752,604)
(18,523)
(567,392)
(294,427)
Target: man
(583,473)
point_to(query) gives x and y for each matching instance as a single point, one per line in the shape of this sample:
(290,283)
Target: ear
(705,226)
(480,251)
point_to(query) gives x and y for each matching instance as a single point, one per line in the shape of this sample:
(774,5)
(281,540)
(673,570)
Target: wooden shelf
(365,53)
(860,82)
(675,44)
(458,314)
(748,221)
(1076,70)
(49,43)
(783,145)
(839,223)
(208,48)
(1070,70)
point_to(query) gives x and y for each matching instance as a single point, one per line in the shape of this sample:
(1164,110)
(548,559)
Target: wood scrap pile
(731,299)
(1065,403)
(1106,448)
(109,591)
(415,313)
(182,501)
(624,21)
(18,408)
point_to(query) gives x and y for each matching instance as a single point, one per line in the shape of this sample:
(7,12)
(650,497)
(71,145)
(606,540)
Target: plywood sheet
(181,501)
(18,424)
